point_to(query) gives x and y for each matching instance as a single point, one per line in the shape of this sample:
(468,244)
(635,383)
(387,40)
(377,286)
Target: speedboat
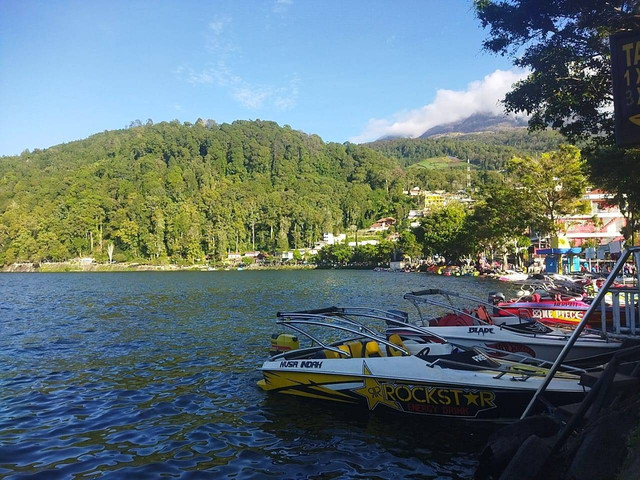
(513,335)
(349,361)
(548,305)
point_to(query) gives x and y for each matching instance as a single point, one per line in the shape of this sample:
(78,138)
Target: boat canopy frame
(342,319)
(426,297)
(345,319)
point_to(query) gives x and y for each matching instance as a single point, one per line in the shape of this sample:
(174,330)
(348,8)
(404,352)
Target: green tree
(500,218)
(564,44)
(553,182)
(408,243)
(444,233)
(338,253)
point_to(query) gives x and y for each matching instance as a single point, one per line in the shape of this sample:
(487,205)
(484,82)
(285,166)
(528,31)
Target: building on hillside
(364,242)
(461,197)
(413,217)
(382,224)
(331,239)
(603,223)
(439,199)
(433,200)
(233,256)
(254,254)
(413,192)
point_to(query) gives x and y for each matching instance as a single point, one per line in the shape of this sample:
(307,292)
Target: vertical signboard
(625,68)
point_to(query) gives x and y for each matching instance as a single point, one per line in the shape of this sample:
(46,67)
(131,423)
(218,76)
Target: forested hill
(183,191)
(488,149)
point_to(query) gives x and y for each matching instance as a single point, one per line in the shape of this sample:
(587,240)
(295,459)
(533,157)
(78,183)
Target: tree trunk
(253,234)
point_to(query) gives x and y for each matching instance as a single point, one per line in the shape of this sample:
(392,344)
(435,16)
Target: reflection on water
(138,374)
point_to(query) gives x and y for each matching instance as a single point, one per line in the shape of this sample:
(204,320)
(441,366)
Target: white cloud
(281,6)
(219,41)
(218,25)
(249,95)
(482,96)
(217,36)
(287,97)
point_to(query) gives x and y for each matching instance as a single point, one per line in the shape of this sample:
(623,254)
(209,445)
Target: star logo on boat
(373,391)
(472,399)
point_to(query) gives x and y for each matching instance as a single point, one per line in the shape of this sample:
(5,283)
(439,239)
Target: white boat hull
(539,346)
(410,384)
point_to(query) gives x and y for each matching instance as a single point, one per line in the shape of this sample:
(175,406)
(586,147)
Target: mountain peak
(478,122)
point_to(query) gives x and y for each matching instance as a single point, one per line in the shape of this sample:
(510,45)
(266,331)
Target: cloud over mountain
(482,96)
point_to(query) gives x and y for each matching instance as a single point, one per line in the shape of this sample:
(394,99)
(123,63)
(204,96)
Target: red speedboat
(547,310)
(557,310)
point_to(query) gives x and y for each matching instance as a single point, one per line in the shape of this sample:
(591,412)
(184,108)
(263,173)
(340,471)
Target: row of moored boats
(459,356)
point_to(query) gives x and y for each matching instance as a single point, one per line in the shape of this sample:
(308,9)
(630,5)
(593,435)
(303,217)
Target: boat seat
(396,340)
(483,315)
(452,320)
(330,354)
(372,349)
(345,349)
(355,348)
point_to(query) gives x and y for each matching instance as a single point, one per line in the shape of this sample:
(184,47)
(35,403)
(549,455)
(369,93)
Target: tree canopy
(553,182)
(176,191)
(564,44)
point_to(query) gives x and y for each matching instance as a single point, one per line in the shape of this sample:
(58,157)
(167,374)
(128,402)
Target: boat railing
(347,314)
(528,360)
(624,311)
(598,301)
(551,286)
(523,371)
(427,297)
(341,319)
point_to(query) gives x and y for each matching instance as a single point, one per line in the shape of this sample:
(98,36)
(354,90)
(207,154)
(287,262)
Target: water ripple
(137,375)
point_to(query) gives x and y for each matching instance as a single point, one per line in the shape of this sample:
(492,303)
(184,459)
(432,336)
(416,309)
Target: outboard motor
(495,298)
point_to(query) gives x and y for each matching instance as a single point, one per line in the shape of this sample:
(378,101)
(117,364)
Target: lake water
(134,375)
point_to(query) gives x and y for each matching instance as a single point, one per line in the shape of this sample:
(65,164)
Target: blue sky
(345,70)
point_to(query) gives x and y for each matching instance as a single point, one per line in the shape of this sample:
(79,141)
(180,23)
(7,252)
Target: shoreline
(75,267)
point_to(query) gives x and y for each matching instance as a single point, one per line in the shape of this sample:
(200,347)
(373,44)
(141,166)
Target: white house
(331,239)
